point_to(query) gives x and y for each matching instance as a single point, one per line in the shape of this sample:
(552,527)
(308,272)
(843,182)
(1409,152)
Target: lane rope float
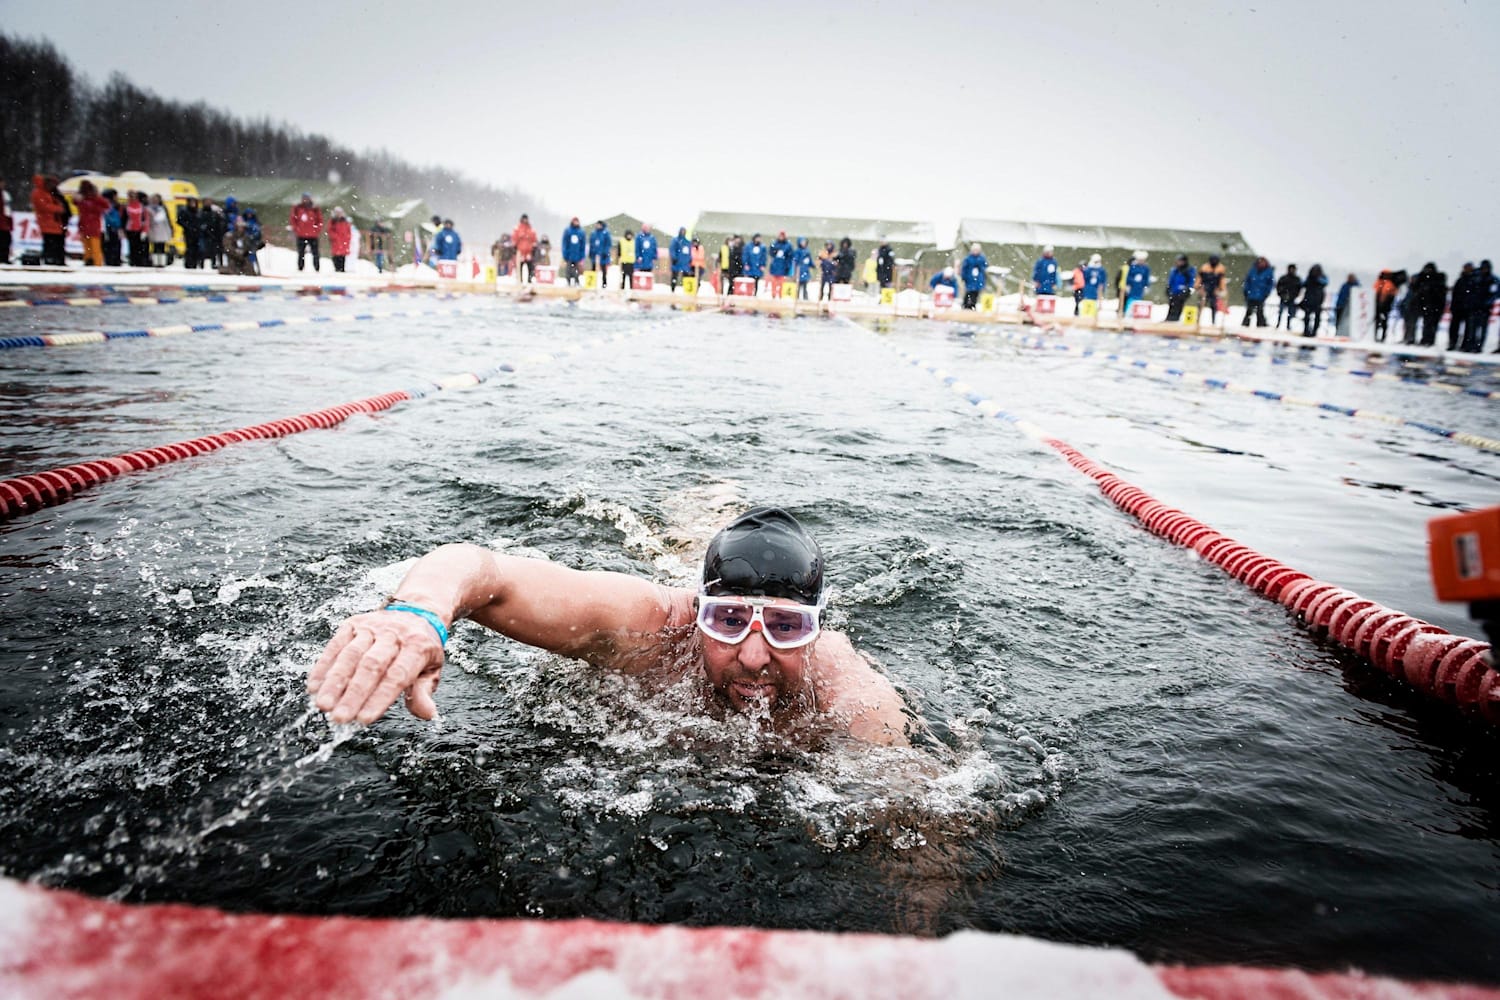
(1143,365)
(1451,668)
(221,296)
(26,494)
(104,336)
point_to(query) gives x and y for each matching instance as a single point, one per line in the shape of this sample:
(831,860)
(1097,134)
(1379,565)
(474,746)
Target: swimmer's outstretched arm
(375,657)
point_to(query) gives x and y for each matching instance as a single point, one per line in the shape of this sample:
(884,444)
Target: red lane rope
(44,489)
(1448,667)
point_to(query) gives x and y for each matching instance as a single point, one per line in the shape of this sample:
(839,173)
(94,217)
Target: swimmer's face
(753,675)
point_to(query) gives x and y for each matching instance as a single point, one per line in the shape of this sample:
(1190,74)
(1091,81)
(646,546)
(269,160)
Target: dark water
(1122,745)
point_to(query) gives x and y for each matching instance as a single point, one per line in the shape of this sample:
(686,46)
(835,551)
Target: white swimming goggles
(731,618)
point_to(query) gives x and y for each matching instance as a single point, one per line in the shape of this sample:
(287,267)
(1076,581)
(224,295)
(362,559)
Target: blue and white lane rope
(126,298)
(1141,364)
(104,336)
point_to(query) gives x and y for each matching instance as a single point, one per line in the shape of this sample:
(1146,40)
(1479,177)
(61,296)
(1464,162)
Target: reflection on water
(1115,744)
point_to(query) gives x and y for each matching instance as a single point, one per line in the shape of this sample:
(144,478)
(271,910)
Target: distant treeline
(53,120)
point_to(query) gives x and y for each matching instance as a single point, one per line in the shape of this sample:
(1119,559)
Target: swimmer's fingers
(368,671)
(338,673)
(419,700)
(331,652)
(410,664)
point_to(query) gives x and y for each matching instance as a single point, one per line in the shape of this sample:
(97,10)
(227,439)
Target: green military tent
(907,239)
(273,198)
(1017,245)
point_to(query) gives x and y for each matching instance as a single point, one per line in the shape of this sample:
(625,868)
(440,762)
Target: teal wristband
(432,619)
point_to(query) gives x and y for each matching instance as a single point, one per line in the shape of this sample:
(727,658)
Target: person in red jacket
(306,223)
(91,209)
(523,238)
(47,220)
(137,225)
(340,235)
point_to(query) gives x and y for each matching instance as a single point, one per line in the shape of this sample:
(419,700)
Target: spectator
(1137,280)
(726,250)
(802,259)
(1314,290)
(1122,285)
(340,235)
(44,205)
(91,209)
(1094,279)
(160,231)
(846,259)
(1430,306)
(1386,287)
(447,242)
(211,230)
(137,226)
(870,272)
(975,273)
(1211,286)
(1044,273)
(947,277)
(1341,303)
(378,241)
(231,212)
(828,266)
(187,223)
(781,262)
(542,255)
(7,223)
(257,238)
(680,257)
(1486,290)
(306,224)
(1259,281)
(1180,283)
(698,261)
(523,239)
(574,248)
(238,249)
(645,249)
(755,261)
(599,252)
(1078,282)
(64,213)
(1288,287)
(1463,304)
(627,258)
(885,265)
(113,224)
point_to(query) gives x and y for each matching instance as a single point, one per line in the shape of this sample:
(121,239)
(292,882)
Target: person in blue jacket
(1180,282)
(975,269)
(574,246)
(755,261)
(1259,282)
(947,277)
(447,242)
(1095,277)
(599,248)
(1137,280)
(802,265)
(645,250)
(680,254)
(781,262)
(1341,301)
(1044,274)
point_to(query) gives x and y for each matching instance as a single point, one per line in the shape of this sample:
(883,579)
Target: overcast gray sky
(1358,131)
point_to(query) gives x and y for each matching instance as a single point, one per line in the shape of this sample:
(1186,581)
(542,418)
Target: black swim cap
(764,553)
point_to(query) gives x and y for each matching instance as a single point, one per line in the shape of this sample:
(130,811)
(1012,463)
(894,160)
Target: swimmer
(752,631)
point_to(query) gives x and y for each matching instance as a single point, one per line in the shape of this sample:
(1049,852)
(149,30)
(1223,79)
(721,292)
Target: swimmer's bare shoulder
(851,690)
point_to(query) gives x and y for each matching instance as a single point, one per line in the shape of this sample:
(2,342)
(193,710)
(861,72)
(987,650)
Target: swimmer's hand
(372,659)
